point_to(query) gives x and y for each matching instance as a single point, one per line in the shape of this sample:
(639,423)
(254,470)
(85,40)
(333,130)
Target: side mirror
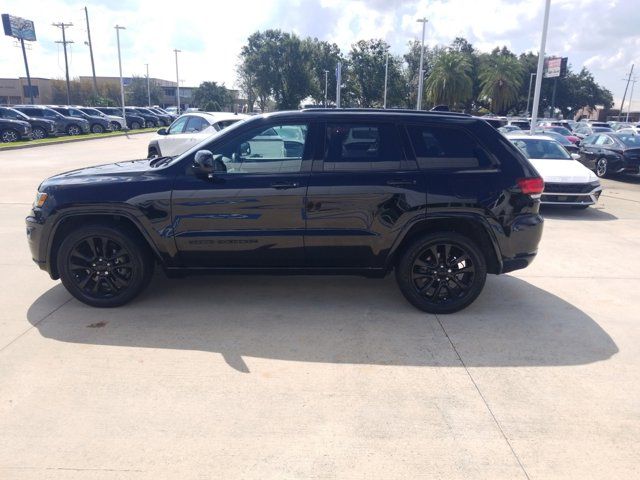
(575,156)
(162,131)
(208,164)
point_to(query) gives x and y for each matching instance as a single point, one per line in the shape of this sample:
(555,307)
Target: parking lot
(323,377)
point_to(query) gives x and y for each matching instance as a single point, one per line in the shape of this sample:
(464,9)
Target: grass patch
(75,138)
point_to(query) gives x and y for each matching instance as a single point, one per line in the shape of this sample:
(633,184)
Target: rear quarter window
(438,147)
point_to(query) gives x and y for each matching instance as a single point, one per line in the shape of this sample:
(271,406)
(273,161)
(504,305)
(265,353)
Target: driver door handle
(284,185)
(397,182)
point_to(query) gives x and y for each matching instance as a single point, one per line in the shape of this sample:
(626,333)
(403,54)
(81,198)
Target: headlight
(41,197)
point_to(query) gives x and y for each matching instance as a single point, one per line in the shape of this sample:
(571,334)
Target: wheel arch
(475,229)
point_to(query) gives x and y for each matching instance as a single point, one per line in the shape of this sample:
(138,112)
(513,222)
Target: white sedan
(188,130)
(566,181)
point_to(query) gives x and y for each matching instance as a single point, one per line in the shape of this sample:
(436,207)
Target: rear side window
(438,147)
(358,147)
(32,112)
(196,124)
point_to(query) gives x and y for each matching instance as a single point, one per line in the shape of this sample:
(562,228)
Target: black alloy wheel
(104,266)
(38,133)
(602,167)
(97,128)
(135,125)
(9,136)
(73,130)
(115,126)
(442,273)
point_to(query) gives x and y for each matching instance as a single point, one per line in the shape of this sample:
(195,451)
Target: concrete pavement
(323,377)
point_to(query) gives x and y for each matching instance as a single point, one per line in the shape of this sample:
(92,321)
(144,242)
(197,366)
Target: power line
(64,42)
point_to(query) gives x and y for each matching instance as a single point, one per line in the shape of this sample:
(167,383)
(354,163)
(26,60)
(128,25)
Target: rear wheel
(602,167)
(73,130)
(38,132)
(97,128)
(104,266)
(9,135)
(115,126)
(441,272)
(135,125)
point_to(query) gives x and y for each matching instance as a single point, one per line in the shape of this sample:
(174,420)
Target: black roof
(387,111)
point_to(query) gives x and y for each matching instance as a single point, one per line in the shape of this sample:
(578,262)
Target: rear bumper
(524,236)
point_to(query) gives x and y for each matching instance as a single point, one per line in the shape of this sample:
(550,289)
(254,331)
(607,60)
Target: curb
(68,140)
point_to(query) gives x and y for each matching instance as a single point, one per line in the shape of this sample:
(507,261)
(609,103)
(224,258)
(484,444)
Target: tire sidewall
(606,170)
(3,132)
(140,258)
(135,125)
(405,265)
(38,129)
(71,128)
(97,129)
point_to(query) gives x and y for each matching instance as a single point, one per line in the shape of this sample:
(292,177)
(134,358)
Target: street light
(118,28)
(543,42)
(529,94)
(326,86)
(420,70)
(148,88)
(386,76)
(176,51)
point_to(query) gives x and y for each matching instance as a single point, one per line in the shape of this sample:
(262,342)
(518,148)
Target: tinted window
(603,140)
(196,124)
(446,147)
(12,114)
(353,147)
(32,112)
(261,152)
(629,139)
(225,123)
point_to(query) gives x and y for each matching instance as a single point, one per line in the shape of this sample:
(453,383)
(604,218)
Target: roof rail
(387,110)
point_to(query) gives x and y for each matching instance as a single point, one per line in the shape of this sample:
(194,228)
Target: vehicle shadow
(626,178)
(560,212)
(341,320)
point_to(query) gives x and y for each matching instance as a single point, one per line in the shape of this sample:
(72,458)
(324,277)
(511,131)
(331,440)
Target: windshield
(561,139)
(629,139)
(541,149)
(560,130)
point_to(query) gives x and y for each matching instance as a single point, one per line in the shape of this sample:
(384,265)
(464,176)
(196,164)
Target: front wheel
(38,133)
(95,128)
(104,266)
(135,125)
(115,126)
(9,136)
(602,167)
(441,272)
(73,130)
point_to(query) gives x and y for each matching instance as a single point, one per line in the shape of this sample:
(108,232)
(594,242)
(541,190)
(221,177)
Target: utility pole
(628,79)
(386,75)
(529,94)
(148,88)
(26,66)
(326,86)
(176,51)
(420,70)
(338,83)
(118,28)
(93,66)
(543,43)
(633,84)
(64,42)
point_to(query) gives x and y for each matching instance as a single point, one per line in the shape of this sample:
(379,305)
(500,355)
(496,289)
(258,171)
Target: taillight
(531,186)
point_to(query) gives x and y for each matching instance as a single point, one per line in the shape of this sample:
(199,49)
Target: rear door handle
(398,183)
(284,185)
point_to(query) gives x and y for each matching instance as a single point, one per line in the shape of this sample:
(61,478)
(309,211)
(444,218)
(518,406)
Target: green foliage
(449,82)
(136,92)
(213,97)
(500,77)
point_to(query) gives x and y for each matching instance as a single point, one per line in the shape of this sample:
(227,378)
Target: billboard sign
(19,28)
(552,67)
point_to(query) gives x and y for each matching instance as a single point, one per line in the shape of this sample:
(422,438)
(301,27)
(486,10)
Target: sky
(603,35)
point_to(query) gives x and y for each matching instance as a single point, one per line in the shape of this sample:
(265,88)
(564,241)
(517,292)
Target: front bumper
(570,194)
(35,229)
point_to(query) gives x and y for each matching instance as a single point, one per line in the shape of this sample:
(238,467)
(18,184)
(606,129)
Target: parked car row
(26,122)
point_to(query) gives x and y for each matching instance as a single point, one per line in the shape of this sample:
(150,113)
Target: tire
(115,126)
(602,167)
(151,124)
(104,266)
(97,128)
(153,152)
(74,130)
(38,133)
(135,125)
(428,267)
(9,135)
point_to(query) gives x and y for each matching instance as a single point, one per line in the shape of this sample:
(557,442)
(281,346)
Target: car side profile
(97,124)
(40,127)
(14,130)
(188,130)
(132,120)
(614,152)
(64,124)
(439,198)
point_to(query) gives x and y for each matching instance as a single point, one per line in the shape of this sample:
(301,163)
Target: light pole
(420,72)
(543,42)
(148,88)
(386,75)
(529,94)
(118,28)
(633,84)
(326,86)
(176,51)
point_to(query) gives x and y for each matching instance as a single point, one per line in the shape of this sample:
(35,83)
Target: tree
(324,56)
(449,82)
(136,92)
(213,97)
(501,78)
(246,86)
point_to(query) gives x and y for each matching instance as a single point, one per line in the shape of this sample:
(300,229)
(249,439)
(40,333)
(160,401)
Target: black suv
(96,124)
(441,198)
(134,121)
(14,130)
(68,125)
(40,127)
(151,120)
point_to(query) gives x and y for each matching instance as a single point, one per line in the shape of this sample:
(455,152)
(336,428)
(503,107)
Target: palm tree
(449,82)
(500,80)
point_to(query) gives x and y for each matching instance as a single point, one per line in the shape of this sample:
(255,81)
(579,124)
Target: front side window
(178,125)
(50,114)
(196,124)
(259,151)
(75,113)
(357,147)
(438,147)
